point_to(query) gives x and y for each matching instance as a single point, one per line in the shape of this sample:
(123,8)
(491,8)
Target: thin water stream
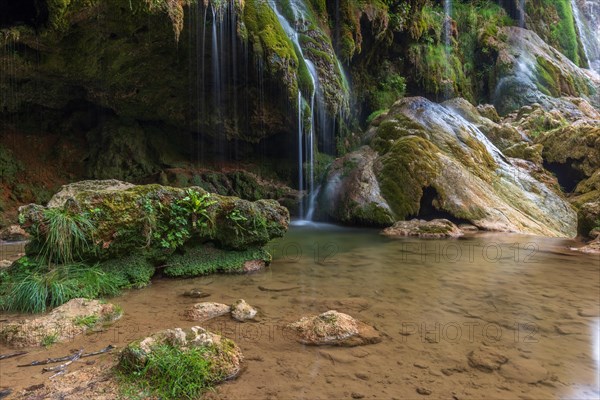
(438,304)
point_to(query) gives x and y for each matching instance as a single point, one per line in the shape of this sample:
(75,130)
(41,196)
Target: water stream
(436,303)
(587,20)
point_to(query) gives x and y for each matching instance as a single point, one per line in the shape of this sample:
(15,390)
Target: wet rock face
(589,218)
(530,71)
(224,355)
(63,323)
(434,229)
(430,159)
(334,328)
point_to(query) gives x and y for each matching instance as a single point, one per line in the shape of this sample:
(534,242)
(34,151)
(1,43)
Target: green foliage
(391,88)
(197,205)
(49,340)
(204,260)
(236,217)
(88,321)
(32,287)
(66,235)
(172,373)
(133,271)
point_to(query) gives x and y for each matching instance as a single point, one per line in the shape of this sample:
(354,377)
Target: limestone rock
(205,311)
(486,359)
(334,328)
(224,355)
(242,311)
(63,323)
(524,370)
(434,229)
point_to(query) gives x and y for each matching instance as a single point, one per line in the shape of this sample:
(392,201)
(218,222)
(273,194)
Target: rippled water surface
(443,308)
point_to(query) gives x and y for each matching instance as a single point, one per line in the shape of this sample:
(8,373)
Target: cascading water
(522,13)
(316,102)
(447,42)
(587,18)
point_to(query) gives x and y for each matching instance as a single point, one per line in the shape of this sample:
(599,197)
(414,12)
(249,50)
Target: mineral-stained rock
(223,354)
(334,328)
(205,311)
(437,228)
(242,311)
(63,323)
(588,217)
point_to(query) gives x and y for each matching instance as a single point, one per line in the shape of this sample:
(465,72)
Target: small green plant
(198,206)
(172,373)
(237,218)
(49,340)
(66,235)
(88,321)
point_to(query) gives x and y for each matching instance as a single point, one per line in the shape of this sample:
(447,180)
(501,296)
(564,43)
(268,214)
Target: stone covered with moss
(162,225)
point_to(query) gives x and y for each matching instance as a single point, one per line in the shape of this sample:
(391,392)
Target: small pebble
(423,391)
(357,395)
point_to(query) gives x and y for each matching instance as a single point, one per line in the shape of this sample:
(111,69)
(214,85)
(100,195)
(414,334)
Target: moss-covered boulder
(431,161)
(63,323)
(529,71)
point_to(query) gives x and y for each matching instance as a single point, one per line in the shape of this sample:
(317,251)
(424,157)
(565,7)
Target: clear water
(530,299)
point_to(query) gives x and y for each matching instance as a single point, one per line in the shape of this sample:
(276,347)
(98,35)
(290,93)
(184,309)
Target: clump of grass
(49,340)
(66,235)
(88,321)
(34,288)
(172,373)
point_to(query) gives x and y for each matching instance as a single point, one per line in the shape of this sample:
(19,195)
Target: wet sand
(488,316)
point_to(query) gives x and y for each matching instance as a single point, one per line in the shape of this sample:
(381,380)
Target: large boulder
(431,161)
(530,71)
(124,218)
(63,323)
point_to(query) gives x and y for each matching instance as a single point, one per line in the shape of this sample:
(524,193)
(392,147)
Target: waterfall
(587,19)
(447,44)
(306,146)
(522,13)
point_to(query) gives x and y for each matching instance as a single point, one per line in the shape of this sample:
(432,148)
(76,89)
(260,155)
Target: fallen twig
(11,355)
(62,367)
(67,358)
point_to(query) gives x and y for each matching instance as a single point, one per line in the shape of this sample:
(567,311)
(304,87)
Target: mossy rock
(157,219)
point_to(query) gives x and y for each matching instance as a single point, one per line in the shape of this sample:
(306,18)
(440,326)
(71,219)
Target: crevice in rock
(428,211)
(568,177)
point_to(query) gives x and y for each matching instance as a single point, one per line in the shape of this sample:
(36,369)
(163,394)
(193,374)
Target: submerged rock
(334,328)
(195,293)
(224,355)
(63,323)
(436,228)
(430,159)
(205,311)
(486,359)
(242,311)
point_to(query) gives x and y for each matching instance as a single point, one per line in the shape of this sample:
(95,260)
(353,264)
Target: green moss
(408,167)
(9,166)
(204,260)
(134,271)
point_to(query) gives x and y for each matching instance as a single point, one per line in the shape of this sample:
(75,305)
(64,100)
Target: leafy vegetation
(88,321)
(171,373)
(33,287)
(49,340)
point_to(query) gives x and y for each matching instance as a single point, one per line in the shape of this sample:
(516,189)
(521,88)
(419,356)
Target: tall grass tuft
(67,234)
(34,291)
